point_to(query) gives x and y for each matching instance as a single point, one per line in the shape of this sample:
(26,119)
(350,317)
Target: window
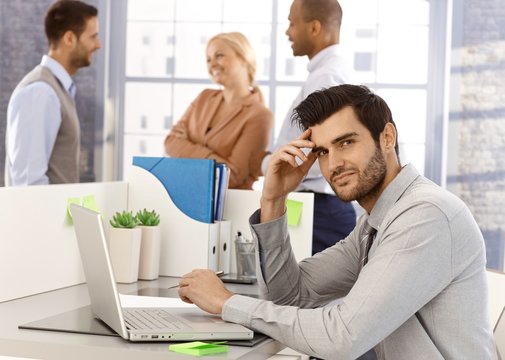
(165,66)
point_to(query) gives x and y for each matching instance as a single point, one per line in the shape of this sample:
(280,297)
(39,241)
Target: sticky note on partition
(69,214)
(198,348)
(88,202)
(294,209)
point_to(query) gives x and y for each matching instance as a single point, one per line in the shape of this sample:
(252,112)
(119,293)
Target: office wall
(476,132)
(22,44)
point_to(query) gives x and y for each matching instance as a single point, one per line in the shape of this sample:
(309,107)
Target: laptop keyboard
(152,319)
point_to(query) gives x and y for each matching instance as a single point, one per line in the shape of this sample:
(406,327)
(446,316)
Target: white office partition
(496,297)
(38,249)
(240,205)
(39,252)
(188,244)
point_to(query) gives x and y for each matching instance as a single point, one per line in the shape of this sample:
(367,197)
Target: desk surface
(38,344)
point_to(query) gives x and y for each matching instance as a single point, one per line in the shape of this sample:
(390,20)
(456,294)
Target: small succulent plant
(148,218)
(124,219)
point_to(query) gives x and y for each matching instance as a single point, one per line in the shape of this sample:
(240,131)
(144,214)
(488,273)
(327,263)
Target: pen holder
(246,259)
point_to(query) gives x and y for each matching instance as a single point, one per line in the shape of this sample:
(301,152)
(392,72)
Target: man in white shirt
(314,30)
(43,134)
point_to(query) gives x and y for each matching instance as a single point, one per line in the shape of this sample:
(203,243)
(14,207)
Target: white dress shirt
(33,121)
(328,68)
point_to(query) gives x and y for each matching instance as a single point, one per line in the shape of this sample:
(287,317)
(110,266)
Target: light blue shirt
(326,69)
(33,121)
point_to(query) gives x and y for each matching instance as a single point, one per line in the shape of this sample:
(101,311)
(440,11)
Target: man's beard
(369,181)
(80,59)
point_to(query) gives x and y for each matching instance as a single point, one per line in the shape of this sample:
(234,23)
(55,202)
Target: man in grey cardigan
(43,132)
(411,275)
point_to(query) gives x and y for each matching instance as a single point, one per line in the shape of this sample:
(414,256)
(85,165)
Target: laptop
(139,324)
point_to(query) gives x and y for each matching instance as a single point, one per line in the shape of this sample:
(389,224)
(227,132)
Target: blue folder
(190,183)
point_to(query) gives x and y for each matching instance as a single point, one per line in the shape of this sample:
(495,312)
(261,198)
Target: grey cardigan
(422,294)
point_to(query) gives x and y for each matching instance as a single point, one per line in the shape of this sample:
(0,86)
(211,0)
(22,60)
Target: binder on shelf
(189,182)
(224,254)
(222,181)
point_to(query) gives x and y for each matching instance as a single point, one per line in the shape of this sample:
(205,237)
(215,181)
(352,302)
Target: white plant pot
(124,250)
(150,251)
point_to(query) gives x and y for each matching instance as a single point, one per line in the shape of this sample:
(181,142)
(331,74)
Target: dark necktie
(368,235)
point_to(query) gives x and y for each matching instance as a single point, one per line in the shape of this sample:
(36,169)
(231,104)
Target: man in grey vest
(43,135)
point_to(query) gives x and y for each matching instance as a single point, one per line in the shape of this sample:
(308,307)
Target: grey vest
(63,164)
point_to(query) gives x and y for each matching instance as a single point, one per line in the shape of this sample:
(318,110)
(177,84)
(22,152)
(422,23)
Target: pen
(218,273)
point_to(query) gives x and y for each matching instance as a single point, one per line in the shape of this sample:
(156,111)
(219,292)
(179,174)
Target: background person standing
(314,30)
(230,125)
(42,134)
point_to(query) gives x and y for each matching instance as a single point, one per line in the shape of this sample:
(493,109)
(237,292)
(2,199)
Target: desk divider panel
(188,244)
(496,296)
(38,250)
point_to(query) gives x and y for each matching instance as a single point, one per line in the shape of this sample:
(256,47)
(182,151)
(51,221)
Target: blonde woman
(232,124)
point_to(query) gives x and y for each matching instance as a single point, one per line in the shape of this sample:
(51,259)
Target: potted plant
(124,246)
(150,248)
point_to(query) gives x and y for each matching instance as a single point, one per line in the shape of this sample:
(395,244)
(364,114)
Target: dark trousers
(369,355)
(333,221)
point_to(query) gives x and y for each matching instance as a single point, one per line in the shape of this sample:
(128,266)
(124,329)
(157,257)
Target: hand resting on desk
(203,288)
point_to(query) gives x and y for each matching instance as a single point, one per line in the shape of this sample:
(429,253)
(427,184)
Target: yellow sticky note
(69,214)
(294,209)
(89,202)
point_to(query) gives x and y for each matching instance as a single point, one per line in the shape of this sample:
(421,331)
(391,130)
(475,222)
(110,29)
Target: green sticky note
(69,214)
(198,348)
(89,202)
(294,209)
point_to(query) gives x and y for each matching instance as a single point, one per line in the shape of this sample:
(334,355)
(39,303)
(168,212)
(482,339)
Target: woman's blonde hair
(242,47)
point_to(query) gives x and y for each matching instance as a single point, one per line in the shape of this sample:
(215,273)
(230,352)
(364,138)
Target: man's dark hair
(65,15)
(371,110)
(327,12)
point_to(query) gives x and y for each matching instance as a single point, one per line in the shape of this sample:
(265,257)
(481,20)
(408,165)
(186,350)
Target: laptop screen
(102,290)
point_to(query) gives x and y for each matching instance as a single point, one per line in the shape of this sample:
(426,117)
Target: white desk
(38,344)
